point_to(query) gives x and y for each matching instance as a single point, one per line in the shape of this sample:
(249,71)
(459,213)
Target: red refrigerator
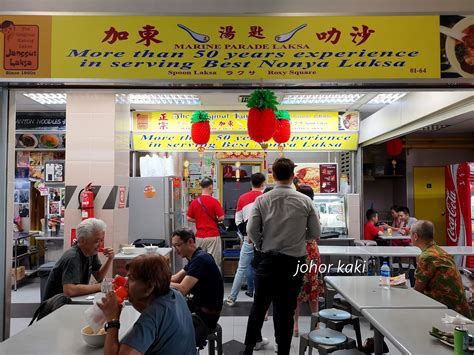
(460,208)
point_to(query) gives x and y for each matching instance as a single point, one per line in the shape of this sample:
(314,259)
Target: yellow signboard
(223,48)
(242,142)
(236,121)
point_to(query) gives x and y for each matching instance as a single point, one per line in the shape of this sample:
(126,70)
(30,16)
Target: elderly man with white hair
(71,274)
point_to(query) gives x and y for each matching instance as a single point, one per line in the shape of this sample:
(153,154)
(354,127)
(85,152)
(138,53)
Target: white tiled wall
(97,151)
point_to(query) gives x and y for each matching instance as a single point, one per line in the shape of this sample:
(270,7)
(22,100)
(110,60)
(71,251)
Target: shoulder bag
(220,226)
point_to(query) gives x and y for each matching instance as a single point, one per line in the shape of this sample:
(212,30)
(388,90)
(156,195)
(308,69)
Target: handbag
(220,226)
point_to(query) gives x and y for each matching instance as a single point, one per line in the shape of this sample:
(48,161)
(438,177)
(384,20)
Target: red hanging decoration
(394,147)
(283,127)
(200,131)
(200,128)
(261,123)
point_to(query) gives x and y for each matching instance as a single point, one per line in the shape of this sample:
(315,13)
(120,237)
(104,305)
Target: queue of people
(280,230)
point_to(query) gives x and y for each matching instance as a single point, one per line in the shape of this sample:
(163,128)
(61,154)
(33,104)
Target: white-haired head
(89,228)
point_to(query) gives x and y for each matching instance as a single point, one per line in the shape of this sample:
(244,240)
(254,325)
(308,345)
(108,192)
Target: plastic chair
(326,341)
(337,319)
(214,341)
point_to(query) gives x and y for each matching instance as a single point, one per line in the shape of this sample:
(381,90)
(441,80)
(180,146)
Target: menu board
(321,177)
(328,178)
(32,141)
(43,121)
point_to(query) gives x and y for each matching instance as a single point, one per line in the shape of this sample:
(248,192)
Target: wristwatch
(114,323)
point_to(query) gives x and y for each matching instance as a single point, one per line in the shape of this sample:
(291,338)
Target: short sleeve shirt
(438,271)
(72,268)
(205,225)
(165,327)
(208,292)
(370,231)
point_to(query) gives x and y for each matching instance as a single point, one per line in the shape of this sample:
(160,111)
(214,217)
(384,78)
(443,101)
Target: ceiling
(242,7)
(229,100)
(462,124)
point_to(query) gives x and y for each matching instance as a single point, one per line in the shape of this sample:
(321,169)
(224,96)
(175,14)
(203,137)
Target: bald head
(424,230)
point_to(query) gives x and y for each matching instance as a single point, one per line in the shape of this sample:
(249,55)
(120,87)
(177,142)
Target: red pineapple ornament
(253,125)
(261,122)
(200,128)
(283,127)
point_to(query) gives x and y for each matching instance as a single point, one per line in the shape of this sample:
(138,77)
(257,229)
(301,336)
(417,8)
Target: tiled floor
(233,321)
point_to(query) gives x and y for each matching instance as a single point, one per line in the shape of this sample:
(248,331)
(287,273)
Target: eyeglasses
(177,245)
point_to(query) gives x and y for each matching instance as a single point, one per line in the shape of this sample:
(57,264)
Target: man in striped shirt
(244,207)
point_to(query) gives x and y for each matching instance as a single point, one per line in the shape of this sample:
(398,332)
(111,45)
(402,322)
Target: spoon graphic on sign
(196,36)
(285,37)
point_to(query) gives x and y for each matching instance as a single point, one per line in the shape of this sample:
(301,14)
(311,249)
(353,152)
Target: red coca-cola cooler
(460,208)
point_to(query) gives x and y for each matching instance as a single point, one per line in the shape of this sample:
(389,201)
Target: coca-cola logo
(451,206)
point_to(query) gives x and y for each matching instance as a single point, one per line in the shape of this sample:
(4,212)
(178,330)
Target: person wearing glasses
(201,279)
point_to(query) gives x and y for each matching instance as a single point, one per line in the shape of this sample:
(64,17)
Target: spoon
(451,33)
(196,36)
(285,37)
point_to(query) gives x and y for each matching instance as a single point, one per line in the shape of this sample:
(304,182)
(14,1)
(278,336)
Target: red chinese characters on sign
(256,31)
(112,35)
(148,35)
(121,203)
(359,37)
(227,32)
(332,35)
(163,122)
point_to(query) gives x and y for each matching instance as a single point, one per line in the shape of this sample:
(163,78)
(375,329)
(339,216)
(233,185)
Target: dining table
(408,329)
(59,333)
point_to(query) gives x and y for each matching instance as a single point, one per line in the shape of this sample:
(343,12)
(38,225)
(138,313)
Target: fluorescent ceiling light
(321,99)
(48,98)
(387,98)
(159,99)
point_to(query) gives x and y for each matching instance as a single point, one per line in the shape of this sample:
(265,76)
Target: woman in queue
(313,286)
(165,325)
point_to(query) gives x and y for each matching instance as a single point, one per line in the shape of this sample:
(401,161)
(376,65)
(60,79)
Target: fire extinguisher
(86,202)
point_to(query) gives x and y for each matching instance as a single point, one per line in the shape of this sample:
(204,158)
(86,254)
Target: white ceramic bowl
(91,339)
(151,249)
(128,250)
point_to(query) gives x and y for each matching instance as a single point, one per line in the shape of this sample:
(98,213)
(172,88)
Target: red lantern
(200,128)
(394,147)
(283,127)
(261,122)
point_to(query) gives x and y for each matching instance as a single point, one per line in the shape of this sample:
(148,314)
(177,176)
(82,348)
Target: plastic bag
(95,318)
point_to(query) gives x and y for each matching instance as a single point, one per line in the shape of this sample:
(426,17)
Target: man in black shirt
(200,278)
(72,272)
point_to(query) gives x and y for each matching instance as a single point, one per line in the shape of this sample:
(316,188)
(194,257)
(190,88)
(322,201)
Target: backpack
(50,305)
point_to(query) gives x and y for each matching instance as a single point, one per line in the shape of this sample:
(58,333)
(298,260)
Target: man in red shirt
(206,212)
(370,230)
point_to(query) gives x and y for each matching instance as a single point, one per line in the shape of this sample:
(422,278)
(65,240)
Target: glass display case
(332,212)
